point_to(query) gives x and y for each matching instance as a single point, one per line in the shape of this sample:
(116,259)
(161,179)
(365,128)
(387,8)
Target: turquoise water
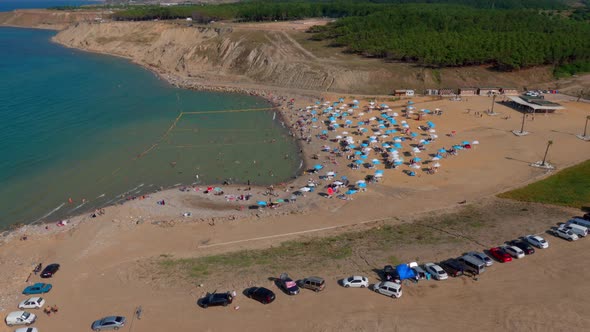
(72,125)
(10,5)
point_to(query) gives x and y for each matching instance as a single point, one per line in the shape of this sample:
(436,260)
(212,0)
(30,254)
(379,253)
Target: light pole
(549,143)
(493,102)
(585,136)
(523,118)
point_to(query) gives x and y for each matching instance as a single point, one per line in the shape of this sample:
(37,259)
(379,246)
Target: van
(388,288)
(472,264)
(316,284)
(579,221)
(580,231)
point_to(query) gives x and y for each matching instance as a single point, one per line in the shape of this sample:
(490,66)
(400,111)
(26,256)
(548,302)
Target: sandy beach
(101,256)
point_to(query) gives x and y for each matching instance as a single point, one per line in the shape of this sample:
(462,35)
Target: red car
(500,255)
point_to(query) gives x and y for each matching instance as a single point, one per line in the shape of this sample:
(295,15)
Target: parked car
(514,251)
(216,299)
(27,329)
(390,273)
(579,230)
(38,288)
(316,284)
(287,284)
(499,254)
(436,271)
(49,270)
(453,267)
(20,318)
(261,294)
(481,256)
(356,281)
(525,247)
(537,241)
(32,303)
(565,234)
(388,288)
(109,323)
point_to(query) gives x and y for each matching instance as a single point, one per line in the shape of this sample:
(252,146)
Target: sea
(80,131)
(10,5)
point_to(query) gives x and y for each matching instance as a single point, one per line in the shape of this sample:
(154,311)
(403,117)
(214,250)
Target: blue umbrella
(355,106)
(332,118)
(325,111)
(345,114)
(392,150)
(413,134)
(410,102)
(417,159)
(330,108)
(362,185)
(397,163)
(358,162)
(381,126)
(426,111)
(426,142)
(385,145)
(442,151)
(314,112)
(351,192)
(465,143)
(352,146)
(380,121)
(317,102)
(341,100)
(376,162)
(364,145)
(364,130)
(343,177)
(360,123)
(383,105)
(318,166)
(397,145)
(379,171)
(314,120)
(357,153)
(438,156)
(261,203)
(348,122)
(336,125)
(364,156)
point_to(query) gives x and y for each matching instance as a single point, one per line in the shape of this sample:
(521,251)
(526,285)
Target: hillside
(271,54)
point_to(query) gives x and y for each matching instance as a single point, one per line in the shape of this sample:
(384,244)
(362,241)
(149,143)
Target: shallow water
(92,128)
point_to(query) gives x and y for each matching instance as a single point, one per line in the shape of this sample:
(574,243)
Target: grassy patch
(569,187)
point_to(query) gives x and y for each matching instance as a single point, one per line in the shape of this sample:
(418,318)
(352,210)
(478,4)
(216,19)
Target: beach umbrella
(398,162)
(360,181)
(331,173)
(376,162)
(426,142)
(362,185)
(314,120)
(442,151)
(413,134)
(415,166)
(432,131)
(355,101)
(364,156)
(335,125)
(364,145)
(392,150)
(324,132)
(358,162)
(345,114)
(465,142)
(382,126)
(344,133)
(318,167)
(357,153)
(305,189)
(351,192)
(395,114)
(410,102)
(475,142)
(338,137)
(385,145)
(416,159)
(338,183)
(352,146)
(378,175)
(314,112)
(379,171)
(360,123)
(436,158)
(397,145)
(436,165)
(348,122)
(261,203)
(341,100)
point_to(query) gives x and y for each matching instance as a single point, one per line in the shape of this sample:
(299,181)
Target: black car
(287,284)
(216,299)
(452,267)
(260,294)
(49,270)
(390,273)
(527,248)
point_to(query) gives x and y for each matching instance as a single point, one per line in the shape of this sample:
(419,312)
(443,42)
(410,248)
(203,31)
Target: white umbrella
(338,183)
(384,136)
(416,150)
(475,142)
(344,133)
(397,140)
(331,173)
(372,118)
(372,103)
(436,165)
(378,175)
(338,137)
(404,122)
(395,114)
(367,150)
(436,158)
(304,189)
(415,166)
(360,181)
(361,113)
(432,131)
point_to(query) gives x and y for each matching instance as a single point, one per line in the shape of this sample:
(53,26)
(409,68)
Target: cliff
(243,55)
(47,19)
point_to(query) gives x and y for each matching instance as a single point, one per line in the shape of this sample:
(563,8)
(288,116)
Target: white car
(356,281)
(482,257)
(537,241)
(27,329)
(514,251)
(20,318)
(32,303)
(565,234)
(436,271)
(388,288)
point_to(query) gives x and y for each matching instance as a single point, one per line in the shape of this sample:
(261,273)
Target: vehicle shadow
(379,273)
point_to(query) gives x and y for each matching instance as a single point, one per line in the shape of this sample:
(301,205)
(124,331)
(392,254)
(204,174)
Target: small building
(467,92)
(489,91)
(447,92)
(403,93)
(534,104)
(509,91)
(431,92)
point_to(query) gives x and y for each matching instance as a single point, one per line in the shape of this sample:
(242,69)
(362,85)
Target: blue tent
(261,203)
(405,272)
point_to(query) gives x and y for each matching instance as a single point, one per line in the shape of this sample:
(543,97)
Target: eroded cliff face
(235,56)
(47,19)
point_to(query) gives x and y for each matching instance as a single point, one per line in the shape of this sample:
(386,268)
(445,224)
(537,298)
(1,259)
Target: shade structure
(261,203)
(318,166)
